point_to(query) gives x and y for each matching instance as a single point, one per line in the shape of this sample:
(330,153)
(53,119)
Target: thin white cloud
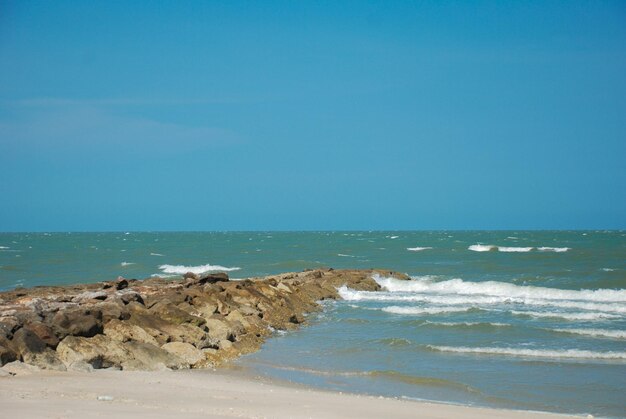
(96,129)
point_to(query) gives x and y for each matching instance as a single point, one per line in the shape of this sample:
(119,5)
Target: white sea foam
(457,287)
(200,269)
(393,237)
(468,324)
(156,254)
(591,316)
(424,310)
(4,247)
(553,249)
(477,300)
(601,333)
(540,353)
(127,263)
(417,249)
(515,249)
(509,249)
(345,256)
(608,269)
(482,247)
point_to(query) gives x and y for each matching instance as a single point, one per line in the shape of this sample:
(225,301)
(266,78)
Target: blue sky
(312,115)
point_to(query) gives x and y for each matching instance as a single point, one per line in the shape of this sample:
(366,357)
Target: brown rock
(77,322)
(185,351)
(124,332)
(44,333)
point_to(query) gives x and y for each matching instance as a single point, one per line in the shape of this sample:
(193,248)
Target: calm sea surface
(519,319)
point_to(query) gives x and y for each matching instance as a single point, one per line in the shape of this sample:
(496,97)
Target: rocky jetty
(194,322)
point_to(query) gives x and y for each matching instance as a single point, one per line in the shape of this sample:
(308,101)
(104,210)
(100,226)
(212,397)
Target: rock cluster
(195,322)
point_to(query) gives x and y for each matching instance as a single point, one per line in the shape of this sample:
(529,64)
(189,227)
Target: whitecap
(200,269)
(4,247)
(156,254)
(417,249)
(540,353)
(482,248)
(514,249)
(601,333)
(608,270)
(553,249)
(592,316)
(424,310)
(127,263)
(345,256)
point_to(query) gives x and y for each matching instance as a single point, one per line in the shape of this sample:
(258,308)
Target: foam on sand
(539,353)
(200,269)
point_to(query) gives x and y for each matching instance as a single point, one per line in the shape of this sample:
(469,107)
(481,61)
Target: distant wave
(601,333)
(553,249)
(508,249)
(417,249)
(482,248)
(468,324)
(541,353)
(4,247)
(566,316)
(424,310)
(200,269)
(345,256)
(514,249)
(156,254)
(127,263)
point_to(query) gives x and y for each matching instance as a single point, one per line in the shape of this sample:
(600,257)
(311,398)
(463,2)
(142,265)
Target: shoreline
(210,393)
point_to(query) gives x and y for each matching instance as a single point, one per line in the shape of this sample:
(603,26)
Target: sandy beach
(195,394)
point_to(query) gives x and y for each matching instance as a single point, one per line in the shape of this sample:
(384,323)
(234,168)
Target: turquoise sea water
(519,319)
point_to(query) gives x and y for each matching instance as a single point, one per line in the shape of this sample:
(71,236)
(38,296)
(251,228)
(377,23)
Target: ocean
(531,320)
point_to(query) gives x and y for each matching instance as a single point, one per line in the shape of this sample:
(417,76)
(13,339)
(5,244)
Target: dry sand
(195,394)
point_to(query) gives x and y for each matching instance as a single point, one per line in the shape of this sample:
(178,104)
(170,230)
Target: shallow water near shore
(525,320)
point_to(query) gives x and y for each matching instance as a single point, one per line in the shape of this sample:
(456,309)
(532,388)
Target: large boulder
(174,314)
(145,356)
(7,353)
(25,342)
(44,333)
(124,332)
(185,351)
(77,322)
(99,351)
(47,360)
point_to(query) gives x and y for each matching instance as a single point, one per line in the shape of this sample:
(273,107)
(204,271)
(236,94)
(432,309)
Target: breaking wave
(417,249)
(566,316)
(540,353)
(498,289)
(508,249)
(200,269)
(596,333)
(424,310)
